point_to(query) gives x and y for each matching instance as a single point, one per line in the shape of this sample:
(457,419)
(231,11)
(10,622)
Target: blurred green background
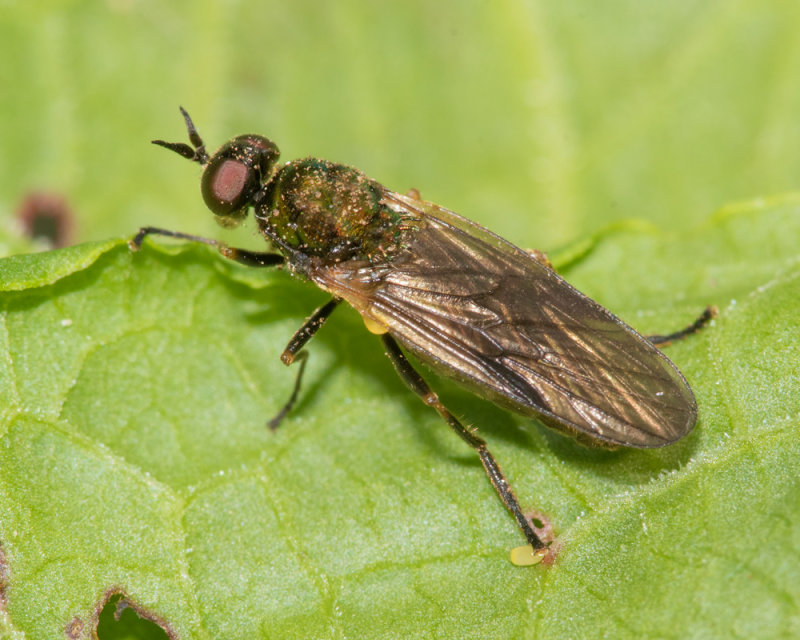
(543,120)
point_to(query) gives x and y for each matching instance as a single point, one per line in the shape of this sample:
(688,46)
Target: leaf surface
(135,457)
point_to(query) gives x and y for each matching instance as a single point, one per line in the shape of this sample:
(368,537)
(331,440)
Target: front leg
(242,256)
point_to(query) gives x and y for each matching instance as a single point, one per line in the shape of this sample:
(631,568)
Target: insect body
(466,302)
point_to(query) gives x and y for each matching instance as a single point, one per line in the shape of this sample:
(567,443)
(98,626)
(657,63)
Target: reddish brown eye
(228,181)
(227,185)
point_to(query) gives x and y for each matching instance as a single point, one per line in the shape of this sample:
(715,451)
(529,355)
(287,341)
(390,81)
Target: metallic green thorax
(315,212)
(328,210)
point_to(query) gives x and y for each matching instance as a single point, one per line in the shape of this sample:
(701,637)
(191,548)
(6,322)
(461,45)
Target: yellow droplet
(374,327)
(525,556)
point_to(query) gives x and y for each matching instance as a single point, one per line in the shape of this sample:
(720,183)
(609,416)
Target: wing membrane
(486,313)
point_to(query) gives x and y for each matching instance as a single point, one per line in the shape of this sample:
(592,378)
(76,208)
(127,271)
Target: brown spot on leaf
(543,527)
(46,216)
(5,575)
(74,629)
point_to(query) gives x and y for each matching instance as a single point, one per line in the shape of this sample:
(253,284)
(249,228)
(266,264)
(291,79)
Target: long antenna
(198,153)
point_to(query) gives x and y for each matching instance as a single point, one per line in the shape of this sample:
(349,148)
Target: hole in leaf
(119,620)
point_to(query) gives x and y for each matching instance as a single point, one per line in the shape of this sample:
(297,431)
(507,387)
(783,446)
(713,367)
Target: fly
(469,304)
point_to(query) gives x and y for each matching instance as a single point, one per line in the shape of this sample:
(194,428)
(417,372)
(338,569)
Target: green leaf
(135,459)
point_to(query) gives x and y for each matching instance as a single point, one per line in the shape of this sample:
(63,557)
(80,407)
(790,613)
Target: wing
(486,313)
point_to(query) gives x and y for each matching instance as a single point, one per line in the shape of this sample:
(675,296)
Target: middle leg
(292,353)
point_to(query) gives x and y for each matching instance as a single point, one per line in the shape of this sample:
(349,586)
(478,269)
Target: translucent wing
(486,313)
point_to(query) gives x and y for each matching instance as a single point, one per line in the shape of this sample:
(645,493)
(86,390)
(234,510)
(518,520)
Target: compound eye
(227,186)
